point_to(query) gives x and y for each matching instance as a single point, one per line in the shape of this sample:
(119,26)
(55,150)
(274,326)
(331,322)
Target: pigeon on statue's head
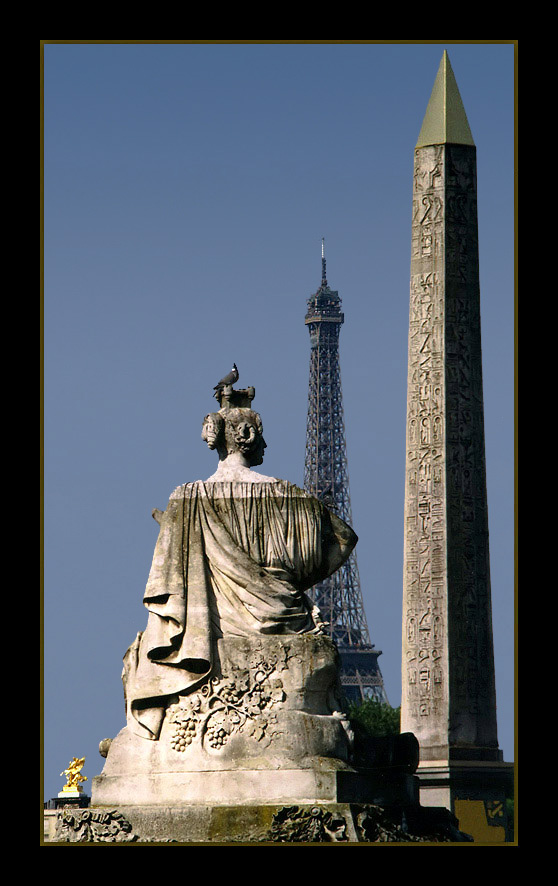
(228,379)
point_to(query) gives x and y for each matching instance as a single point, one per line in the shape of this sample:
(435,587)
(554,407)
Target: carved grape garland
(227,705)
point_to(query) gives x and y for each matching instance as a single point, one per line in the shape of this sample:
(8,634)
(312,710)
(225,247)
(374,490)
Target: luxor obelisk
(448,686)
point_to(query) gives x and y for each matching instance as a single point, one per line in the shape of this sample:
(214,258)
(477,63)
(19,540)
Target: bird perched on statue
(228,379)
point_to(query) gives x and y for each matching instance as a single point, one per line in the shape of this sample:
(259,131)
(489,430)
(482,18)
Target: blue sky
(186,191)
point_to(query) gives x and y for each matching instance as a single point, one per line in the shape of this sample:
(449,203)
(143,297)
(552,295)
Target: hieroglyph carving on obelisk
(448,697)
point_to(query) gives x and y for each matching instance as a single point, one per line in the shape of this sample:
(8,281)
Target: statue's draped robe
(230,559)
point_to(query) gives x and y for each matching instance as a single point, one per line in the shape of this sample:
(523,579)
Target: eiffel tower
(326,476)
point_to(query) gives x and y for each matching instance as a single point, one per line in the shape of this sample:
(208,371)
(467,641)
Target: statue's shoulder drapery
(232,558)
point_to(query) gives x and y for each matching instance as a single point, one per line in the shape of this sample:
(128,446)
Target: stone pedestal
(267,726)
(258,824)
(260,752)
(79,802)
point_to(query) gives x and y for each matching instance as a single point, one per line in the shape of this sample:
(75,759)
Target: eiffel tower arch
(326,476)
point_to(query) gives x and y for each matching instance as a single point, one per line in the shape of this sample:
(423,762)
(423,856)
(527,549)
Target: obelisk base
(475,791)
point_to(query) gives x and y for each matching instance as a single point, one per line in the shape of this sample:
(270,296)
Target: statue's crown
(230,399)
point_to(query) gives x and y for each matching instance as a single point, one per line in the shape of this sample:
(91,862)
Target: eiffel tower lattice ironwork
(326,476)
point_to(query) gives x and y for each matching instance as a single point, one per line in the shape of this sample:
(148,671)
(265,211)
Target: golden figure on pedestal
(73,775)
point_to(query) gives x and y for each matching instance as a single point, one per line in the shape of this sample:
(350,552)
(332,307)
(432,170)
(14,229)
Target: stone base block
(256,824)
(325,784)
(218,787)
(474,791)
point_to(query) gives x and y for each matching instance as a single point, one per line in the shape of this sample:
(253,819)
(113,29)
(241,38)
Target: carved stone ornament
(225,706)
(93,826)
(294,824)
(373,824)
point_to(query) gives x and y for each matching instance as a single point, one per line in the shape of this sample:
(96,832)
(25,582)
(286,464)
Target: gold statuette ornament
(74,776)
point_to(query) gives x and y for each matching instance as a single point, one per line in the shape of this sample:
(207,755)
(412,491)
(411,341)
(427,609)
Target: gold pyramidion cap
(445,121)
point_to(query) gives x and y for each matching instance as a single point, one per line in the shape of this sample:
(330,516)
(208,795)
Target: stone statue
(234,657)
(235,727)
(238,438)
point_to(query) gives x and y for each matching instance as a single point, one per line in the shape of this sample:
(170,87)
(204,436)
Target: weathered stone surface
(448,698)
(271,714)
(448,685)
(235,725)
(231,560)
(258,824)
(92,826)
(314,824)
(232,690)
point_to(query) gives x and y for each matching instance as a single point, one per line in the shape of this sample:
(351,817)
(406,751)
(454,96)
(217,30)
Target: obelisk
(448,686)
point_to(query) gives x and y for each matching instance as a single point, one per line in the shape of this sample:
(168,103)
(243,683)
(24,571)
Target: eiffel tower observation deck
(326,476)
